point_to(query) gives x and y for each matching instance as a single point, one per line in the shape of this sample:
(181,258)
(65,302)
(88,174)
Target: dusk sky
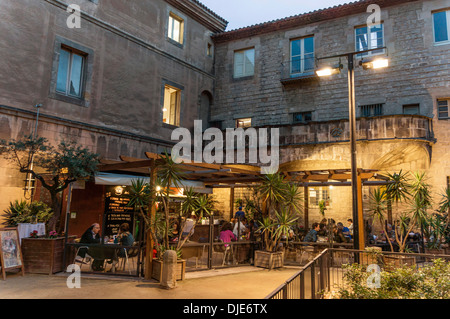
(244,13)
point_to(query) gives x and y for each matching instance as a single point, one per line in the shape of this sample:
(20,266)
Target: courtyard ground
(232,283)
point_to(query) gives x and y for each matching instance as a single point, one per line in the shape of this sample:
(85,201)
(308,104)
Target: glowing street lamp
(376,63)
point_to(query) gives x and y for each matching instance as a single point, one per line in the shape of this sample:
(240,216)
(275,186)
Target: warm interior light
(158,188)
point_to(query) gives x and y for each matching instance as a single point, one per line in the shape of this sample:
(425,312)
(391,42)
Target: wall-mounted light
(328,70)
(377,63)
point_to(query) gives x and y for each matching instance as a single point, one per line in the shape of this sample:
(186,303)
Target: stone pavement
(232,283)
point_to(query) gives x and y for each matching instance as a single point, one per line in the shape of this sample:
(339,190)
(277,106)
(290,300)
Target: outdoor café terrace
(203,250)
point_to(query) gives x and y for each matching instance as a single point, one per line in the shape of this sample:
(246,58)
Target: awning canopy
(243,175)
(126,180)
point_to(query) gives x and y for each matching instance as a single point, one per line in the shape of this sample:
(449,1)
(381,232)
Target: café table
(107,252)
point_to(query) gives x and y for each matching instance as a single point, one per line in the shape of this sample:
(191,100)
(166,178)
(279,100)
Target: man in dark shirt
(312,235)
(240,215)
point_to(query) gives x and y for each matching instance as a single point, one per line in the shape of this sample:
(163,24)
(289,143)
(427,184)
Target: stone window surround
(244,77)
(180,87)
(61,42)
(177,15)
(448,108)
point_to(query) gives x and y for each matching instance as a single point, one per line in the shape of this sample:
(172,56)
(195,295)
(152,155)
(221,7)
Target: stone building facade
(153,65)
(399,124)
(135,56)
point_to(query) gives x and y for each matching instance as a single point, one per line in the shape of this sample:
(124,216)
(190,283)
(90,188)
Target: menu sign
(116,210)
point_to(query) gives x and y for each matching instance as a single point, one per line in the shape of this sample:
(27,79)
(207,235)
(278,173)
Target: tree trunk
(56,207)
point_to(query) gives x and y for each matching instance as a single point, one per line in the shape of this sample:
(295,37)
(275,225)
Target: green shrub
(24,212)
(429,282)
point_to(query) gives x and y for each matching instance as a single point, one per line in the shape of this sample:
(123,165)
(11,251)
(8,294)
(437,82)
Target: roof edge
(202,14)
(330,13)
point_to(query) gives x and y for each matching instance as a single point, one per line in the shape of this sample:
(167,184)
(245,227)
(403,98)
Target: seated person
(226,235)
(311,236)
(188,228)
(92,236)
(239,229)
(124,238)
(339,235)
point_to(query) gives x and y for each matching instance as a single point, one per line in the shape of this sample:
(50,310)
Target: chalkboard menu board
(116,210)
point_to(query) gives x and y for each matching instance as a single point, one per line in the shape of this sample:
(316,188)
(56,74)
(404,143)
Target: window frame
(303,116)
(88,70)
(170,26)
(72,52)
(178,103)
(302,56)
(369,42)
(372,108)
(439,111)
(321,192)
(447,16)
(244,73)
(405,106)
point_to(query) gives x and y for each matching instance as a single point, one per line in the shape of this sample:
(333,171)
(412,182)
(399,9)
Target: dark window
(371,110)
(443,109)
(411,109)
(302,117)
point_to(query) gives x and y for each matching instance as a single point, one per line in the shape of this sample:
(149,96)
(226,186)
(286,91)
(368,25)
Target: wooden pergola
(246,176)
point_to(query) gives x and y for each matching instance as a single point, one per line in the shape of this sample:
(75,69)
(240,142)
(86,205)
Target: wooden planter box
(367,258)
(43,255)
(434,252)
(157,267)
(269,260)
(394,262)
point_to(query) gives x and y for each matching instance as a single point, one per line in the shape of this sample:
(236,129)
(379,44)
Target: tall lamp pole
(28,183)
(358,228)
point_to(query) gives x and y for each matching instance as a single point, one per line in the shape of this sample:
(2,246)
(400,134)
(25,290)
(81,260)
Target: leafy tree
(55,167)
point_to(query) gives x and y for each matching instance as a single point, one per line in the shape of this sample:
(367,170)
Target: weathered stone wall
(419,73)
(129,60)
(411,77)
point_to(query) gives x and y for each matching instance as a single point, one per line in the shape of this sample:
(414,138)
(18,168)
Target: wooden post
(152,209)
(231,202)
(361,233)
(306,206)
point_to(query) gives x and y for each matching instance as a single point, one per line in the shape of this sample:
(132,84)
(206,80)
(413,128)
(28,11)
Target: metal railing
(325,272)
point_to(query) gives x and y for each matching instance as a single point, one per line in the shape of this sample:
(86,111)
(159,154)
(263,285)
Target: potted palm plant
(143,196)
(434,232)
(272,231)
(417,194)
(444,209)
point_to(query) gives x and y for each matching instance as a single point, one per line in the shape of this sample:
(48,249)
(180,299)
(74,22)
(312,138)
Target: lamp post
(358,232)
(28,182)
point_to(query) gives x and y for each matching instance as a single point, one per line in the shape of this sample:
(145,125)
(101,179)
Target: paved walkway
(232,283)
